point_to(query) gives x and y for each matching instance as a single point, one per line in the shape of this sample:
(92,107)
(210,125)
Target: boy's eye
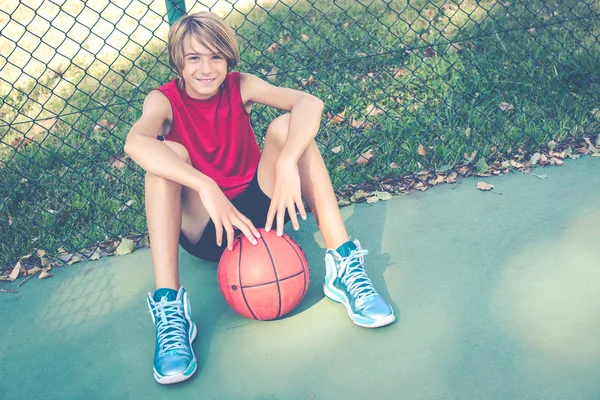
(215,57)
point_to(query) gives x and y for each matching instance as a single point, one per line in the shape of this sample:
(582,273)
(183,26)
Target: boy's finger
(230,232)
(249,224)
(280,221)
(270,217)
(245,228)
(219,233)
(301,209)
(293,217)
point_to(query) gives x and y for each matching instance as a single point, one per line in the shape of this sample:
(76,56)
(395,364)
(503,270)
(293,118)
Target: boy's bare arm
(305,112)
(154,156)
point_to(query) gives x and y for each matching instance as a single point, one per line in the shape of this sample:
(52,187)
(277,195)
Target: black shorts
(252,203)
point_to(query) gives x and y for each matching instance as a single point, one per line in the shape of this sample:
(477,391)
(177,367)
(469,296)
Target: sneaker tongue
(345,249)
(170,294)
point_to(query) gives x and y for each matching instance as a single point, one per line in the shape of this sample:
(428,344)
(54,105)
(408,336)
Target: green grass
(59,190)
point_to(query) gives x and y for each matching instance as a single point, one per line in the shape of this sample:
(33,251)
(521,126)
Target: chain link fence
(416,92)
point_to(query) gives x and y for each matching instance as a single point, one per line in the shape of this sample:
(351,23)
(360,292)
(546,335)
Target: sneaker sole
(166,380)
(377,323)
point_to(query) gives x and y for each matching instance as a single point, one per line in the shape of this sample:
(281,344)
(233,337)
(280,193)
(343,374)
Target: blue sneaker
(174,359)
(347,282)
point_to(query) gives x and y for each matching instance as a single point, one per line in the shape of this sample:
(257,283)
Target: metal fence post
(175,10)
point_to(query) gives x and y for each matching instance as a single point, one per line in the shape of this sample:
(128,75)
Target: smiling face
(204,68)
(202,50)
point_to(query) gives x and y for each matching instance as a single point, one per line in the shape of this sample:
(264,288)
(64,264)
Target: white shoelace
(170,325)
(355,278)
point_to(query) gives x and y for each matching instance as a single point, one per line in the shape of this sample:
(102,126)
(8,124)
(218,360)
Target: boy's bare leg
(171,208)
(343,261)
(317,190)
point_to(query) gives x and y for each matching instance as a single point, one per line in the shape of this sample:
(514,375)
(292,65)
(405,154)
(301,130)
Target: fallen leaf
(393,165)
(429,52)
(372,199)
(272,75)
(75,259)
(382,195)
(400,72)
(356,123)
(543,160)
(336,149)
(464,170)
(456,47)
(468,133)
(422,150)
(359,195)
(551,144)
(95,255)
(304,37)
(273,48)
(558,161)
(45,275)
(15,271)
(440,179)
(283,39)
(364,157)
(535,158)
(591,147)
(504,106)
(308,82)
(104,124)
(127,246)
(596,113)
(516,164)
(118,161)
(337,118)
(470,157)
(593,155)
(33,271)
(484,186)
(449,6)
(344,202)
(41,253)
(373,110)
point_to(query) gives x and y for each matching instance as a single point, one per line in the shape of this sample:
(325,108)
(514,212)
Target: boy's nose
(205,67)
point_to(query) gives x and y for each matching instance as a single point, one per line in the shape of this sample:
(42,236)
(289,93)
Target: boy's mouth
(205,81)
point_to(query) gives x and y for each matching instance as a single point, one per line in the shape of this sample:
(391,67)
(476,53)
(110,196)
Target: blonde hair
(208,29)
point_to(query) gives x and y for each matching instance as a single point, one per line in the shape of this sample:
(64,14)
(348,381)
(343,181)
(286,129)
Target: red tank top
(216,133)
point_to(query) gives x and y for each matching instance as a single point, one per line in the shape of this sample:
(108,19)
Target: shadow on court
(497,290)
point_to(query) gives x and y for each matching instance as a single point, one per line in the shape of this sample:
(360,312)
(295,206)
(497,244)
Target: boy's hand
(287,195)
(225,216)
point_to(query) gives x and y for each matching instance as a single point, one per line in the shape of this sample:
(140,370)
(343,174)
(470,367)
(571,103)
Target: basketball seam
(301,262)
(240,279)
(270,283)
(276,278)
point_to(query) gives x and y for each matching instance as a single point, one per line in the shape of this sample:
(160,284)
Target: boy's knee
(180,150)
(278,130)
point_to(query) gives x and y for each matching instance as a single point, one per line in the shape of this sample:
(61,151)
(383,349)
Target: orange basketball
(264,281)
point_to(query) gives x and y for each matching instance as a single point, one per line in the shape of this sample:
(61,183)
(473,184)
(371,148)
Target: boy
(207,181)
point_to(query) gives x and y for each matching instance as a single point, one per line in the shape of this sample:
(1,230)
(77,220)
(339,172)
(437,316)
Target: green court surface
(497,295)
